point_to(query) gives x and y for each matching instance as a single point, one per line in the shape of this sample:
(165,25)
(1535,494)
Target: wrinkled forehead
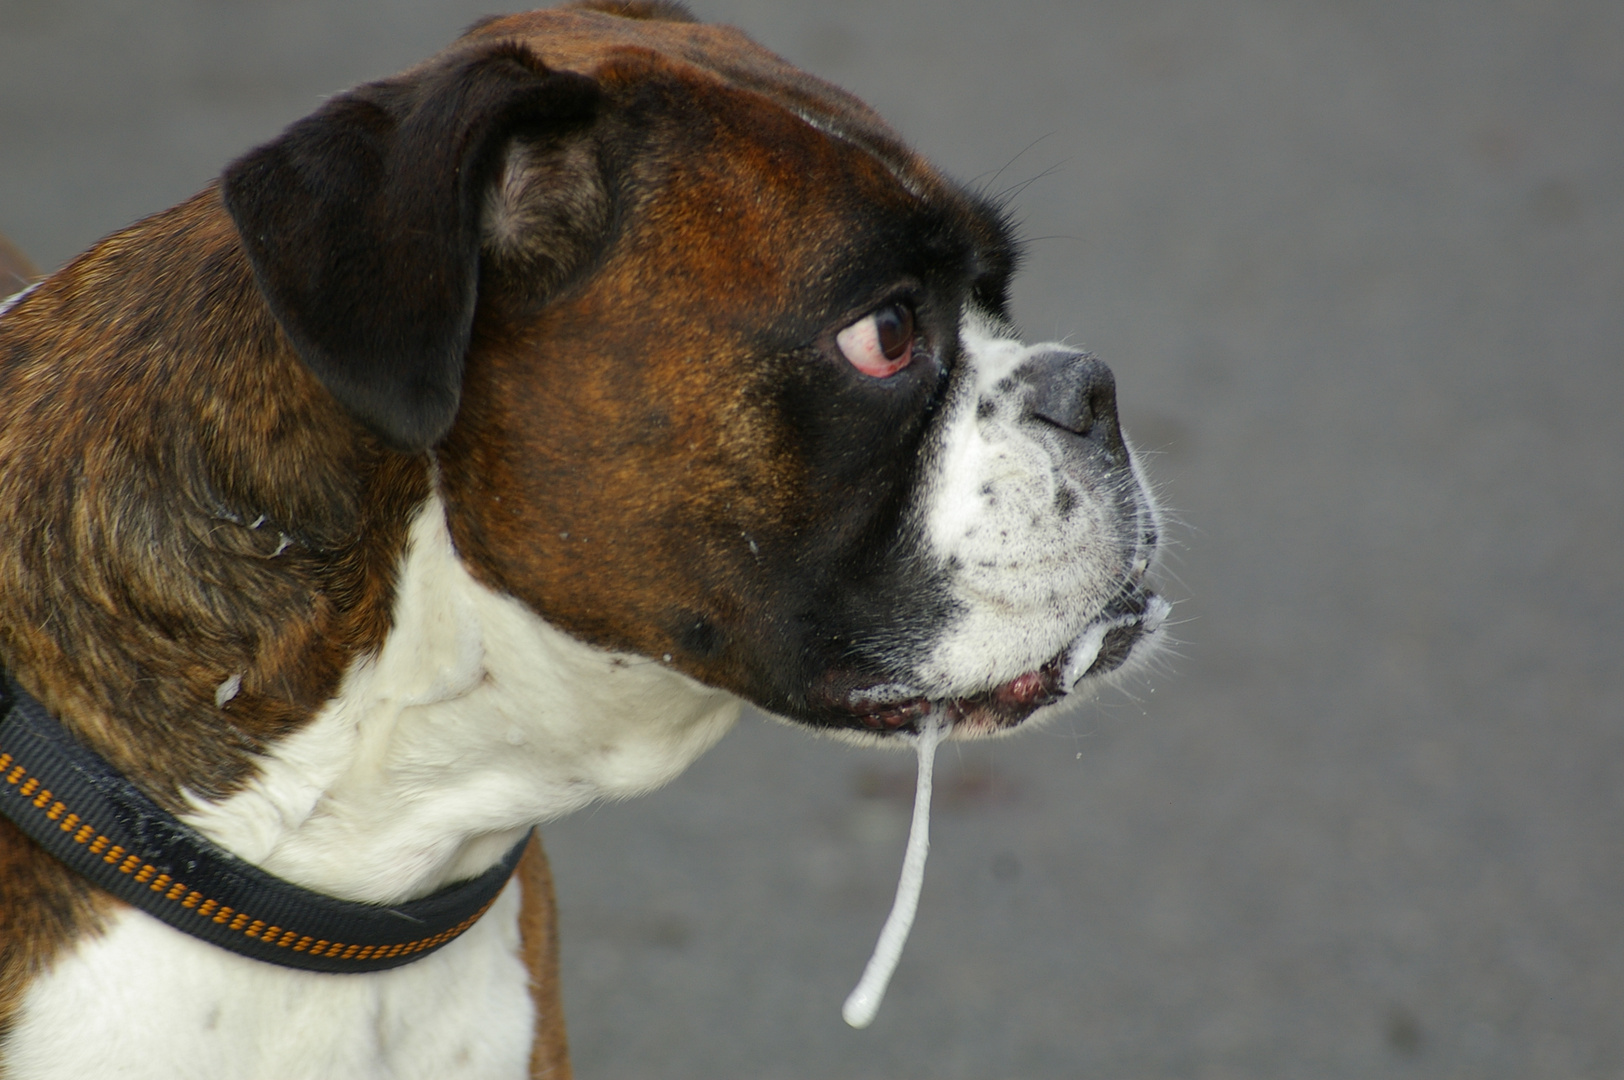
(605,46)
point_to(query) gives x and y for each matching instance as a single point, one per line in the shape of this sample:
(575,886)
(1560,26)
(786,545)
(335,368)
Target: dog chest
(145,1001)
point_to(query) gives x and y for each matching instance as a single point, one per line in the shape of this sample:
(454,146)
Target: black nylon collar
(73,804)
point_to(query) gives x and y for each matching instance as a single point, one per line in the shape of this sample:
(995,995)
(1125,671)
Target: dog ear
(363,226)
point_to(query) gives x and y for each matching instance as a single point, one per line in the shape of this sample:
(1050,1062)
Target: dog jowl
(474,450)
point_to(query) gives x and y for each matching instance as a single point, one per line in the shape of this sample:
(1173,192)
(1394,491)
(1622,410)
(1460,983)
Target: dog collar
(71,802)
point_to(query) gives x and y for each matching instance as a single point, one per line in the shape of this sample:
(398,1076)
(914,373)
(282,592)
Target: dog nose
(1077,393)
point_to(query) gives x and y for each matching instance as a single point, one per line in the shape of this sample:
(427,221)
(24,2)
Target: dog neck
(475,721)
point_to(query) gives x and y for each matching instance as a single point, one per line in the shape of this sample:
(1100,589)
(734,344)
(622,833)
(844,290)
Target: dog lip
(1005,705)
(894,708)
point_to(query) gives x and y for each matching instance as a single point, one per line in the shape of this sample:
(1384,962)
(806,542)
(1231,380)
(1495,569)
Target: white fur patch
(1028,580)
(475,721)
(147,1002)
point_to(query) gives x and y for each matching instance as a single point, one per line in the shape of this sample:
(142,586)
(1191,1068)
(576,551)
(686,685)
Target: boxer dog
(472,452)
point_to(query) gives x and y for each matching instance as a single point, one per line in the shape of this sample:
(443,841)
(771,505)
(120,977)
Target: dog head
(714,369)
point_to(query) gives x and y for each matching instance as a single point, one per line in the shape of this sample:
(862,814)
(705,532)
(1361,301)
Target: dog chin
(1125,632)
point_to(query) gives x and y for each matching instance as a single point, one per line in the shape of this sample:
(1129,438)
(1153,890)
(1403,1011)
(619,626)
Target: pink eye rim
(882,342)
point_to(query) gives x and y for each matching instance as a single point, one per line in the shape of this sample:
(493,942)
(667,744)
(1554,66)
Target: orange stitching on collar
(174,890)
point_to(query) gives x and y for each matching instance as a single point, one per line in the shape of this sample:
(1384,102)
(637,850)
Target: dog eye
(880,344)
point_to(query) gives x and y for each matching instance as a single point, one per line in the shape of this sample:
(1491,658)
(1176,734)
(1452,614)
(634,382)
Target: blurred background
(1359,268)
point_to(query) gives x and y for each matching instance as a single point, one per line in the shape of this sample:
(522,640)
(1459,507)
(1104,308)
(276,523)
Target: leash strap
(71,802)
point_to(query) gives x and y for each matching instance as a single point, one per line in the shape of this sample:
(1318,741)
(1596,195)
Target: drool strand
(864,1001)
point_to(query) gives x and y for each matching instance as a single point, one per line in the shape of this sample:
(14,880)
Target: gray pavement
(1360,271)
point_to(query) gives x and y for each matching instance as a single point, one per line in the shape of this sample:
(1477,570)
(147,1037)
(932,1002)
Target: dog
(473,451)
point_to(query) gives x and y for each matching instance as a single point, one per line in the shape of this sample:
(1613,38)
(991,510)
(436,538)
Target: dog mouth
(1103,646)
